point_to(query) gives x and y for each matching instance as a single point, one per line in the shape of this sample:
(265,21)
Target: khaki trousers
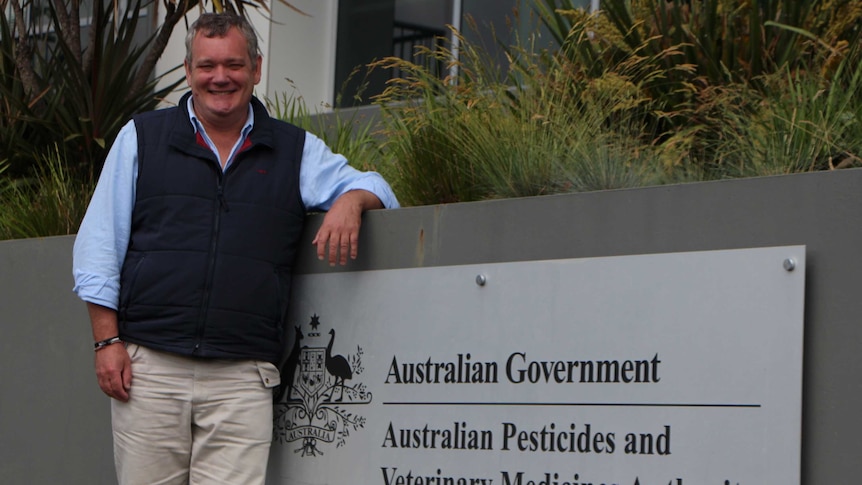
(193,421)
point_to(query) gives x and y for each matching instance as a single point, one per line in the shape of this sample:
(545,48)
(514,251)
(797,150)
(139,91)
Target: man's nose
(220,74)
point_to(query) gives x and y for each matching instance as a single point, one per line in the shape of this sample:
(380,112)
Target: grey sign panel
(647,369)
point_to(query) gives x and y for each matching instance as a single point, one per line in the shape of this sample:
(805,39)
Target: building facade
(319,56)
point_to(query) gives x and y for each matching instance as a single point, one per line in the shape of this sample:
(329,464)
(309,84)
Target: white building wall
(302,52)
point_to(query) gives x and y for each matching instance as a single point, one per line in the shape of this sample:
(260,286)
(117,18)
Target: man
(184,261)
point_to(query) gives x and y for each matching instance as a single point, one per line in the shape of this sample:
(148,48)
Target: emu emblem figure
(338,366)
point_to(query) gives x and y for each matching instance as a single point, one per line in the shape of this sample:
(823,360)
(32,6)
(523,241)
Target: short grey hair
(217,25)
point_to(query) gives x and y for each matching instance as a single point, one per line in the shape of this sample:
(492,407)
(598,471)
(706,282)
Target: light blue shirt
(103,238)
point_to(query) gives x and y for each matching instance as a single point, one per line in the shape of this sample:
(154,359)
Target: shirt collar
(199,127)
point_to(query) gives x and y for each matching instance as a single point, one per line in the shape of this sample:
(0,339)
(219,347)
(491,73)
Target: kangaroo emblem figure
(288,369)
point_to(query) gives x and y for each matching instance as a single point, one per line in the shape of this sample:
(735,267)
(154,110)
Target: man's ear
(258,62)
(188,69)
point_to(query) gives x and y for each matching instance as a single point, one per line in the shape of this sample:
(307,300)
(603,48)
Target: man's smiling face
(222,77)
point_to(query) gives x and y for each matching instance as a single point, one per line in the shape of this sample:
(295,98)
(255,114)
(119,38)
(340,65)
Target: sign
(663,369)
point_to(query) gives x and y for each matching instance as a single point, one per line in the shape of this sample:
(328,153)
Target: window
(374,29)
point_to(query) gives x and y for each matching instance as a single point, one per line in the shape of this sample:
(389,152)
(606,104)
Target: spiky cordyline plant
(57,86)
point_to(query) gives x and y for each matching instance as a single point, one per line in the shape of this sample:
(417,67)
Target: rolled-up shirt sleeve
(103,238)
(324,176)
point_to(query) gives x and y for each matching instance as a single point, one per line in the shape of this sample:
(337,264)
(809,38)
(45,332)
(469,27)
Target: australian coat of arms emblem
(318,390)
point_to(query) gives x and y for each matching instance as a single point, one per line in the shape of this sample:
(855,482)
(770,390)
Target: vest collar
(183,136)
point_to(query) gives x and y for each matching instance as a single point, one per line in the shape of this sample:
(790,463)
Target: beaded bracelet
(101,344)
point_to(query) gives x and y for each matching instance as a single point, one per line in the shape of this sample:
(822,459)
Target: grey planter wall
(54,422)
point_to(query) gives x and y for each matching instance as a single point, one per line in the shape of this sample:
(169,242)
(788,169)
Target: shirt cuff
(377,186)
(98,290)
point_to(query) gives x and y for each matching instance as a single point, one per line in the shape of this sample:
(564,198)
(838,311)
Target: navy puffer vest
(208,267)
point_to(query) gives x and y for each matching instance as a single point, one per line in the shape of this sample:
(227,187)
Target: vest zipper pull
(222,201)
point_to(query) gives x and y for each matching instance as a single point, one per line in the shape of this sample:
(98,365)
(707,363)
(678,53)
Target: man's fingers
(354,245)
(327,245)
(332,249)
(105,385)
(321,249)
(127,377)
(345,249)
(118,389)
(337,239)
(114,371)
(112,386)
(320,240)
(336,248)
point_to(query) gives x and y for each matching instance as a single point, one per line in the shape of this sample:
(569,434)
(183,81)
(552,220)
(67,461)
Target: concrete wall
(54,422)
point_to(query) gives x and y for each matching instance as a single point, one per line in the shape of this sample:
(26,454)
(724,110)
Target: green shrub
(544,127)
(351,135)
(802,123)
(643,92)
(51,203)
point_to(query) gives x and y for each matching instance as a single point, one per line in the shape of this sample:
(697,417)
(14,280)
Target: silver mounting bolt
(789,264)
(481,280)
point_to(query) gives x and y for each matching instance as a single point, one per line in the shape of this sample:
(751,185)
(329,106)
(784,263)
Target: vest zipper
(221,199)
(221,204)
